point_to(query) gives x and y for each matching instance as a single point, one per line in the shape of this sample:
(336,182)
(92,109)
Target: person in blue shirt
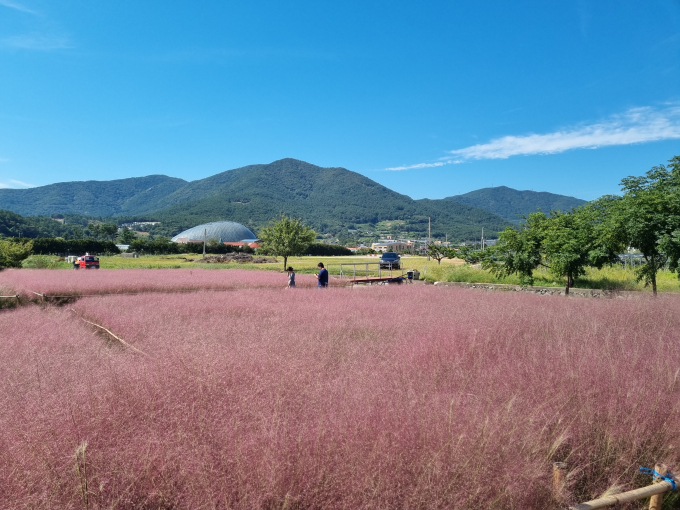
(322,276)
(291,278)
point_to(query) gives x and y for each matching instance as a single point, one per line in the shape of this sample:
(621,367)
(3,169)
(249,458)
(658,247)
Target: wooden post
(657,499)
(559,477)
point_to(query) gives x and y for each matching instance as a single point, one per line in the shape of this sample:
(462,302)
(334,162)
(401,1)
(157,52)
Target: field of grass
(253,396)
(609,278)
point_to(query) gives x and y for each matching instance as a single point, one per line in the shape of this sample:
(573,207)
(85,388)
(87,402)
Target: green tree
(126,236)
(565,243)
(647,218)
(77,232)
(572,241)
(470,254)
(517,251)
(93,229)
(108,230)
(437,252)
(453,253)
(12,253)
(286,237)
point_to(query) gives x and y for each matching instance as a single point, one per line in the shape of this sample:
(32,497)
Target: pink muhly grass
(120,281)
(413,397)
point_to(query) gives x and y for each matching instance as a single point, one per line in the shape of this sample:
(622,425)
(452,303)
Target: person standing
(291,278)
(322,276)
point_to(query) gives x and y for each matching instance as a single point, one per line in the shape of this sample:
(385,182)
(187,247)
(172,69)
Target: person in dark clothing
(322,276)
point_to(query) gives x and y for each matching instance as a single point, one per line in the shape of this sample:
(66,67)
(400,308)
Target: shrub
(12,253)
(44,262)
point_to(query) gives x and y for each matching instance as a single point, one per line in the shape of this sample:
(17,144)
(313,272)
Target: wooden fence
(663,481)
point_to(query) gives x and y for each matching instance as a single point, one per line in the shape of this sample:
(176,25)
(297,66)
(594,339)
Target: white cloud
(637,125)
(14,5)
(20,183)
(15,184)
(36,41)
(422,165)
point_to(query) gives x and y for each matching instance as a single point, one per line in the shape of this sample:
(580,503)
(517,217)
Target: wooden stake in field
(657,499)
(559,478)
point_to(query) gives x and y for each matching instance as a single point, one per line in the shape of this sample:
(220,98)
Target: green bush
(12,253)
(44,262)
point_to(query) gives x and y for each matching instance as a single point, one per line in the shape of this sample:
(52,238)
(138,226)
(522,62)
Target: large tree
(517,251)
(565,243)
(573,241)
(647,218)
(126,236)
(286,237)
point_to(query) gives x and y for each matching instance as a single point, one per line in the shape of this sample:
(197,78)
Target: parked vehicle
(86,262)
(390,260)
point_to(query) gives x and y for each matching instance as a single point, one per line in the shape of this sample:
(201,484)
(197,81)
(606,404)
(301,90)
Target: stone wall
(549,291)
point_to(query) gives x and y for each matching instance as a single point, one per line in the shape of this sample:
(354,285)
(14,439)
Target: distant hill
(511,203)
(328,199)
(90,198)
(15,225)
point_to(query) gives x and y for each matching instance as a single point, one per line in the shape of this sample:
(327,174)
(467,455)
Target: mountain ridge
(78,197)
(329,199)
(512,204)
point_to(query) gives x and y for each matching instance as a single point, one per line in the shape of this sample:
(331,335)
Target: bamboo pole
(644,492)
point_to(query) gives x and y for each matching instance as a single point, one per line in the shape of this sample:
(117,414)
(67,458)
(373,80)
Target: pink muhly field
(121,281)
(398,397)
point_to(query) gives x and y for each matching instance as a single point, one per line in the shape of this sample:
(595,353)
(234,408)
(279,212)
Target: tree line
(645,218)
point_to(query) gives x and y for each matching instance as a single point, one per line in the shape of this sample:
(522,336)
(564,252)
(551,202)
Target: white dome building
(223,231)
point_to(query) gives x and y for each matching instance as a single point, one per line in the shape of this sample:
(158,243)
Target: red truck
(86,262)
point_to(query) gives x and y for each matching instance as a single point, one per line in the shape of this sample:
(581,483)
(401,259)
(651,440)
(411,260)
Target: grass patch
(45,262)
(607,278)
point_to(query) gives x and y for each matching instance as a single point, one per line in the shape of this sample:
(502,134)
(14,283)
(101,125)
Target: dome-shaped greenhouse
(223,231)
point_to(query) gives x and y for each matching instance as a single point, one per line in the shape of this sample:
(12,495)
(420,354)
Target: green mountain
(511,203)
(90,198)
(331,200)
(328,199)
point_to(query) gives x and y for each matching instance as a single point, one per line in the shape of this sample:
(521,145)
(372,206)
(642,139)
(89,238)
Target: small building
(250,243)
(390,245)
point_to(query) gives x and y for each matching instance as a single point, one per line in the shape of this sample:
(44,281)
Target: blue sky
(430,100)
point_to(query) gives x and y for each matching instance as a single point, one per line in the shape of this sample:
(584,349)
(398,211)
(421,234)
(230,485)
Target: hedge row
(58,246)
(327,250)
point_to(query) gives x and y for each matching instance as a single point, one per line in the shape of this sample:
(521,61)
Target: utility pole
(482,238)
(205,234)
(429,235)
